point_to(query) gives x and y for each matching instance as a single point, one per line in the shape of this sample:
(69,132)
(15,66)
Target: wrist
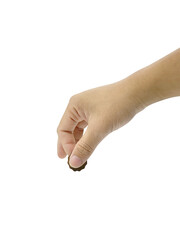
(142,89)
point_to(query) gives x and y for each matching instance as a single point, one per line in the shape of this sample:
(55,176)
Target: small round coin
(79,168)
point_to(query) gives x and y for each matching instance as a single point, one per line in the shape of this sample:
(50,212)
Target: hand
(103,110)
(107,108)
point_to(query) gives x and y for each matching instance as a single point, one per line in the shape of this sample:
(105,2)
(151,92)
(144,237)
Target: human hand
(107,108)
(103,110)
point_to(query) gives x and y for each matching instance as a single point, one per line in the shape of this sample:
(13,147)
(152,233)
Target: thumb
(85,147)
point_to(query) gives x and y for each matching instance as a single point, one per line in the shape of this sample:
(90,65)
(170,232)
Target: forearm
(157,81)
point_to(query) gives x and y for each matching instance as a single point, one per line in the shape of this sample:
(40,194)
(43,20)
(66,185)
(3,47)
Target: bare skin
(107,108)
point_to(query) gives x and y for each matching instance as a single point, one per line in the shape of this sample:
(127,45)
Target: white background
(49,51)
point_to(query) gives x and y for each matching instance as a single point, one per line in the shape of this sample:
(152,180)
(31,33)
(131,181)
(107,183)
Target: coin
(76,169)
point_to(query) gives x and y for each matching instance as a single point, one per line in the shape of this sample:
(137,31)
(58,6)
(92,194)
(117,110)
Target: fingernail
(75,161)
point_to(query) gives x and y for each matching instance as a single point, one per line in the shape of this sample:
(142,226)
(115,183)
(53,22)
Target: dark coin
(79,168)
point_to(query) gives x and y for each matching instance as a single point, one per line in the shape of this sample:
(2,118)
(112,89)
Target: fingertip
(68,148)
(61,155)
(75,161)
(60,150)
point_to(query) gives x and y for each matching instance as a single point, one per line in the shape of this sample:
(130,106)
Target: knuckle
(84,149)
(76,100)
(59,130)
(73,99)
(75,103)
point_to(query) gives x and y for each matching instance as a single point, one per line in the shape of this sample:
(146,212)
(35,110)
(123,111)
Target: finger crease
(73,120)
(66,131)
(76,112)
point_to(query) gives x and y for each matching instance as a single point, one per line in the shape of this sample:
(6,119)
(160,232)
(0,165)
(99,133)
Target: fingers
(85,147)
(82,124)
(70,130)
(78,131)
(69,120)
(71,140)
(67,141)
(60,150)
